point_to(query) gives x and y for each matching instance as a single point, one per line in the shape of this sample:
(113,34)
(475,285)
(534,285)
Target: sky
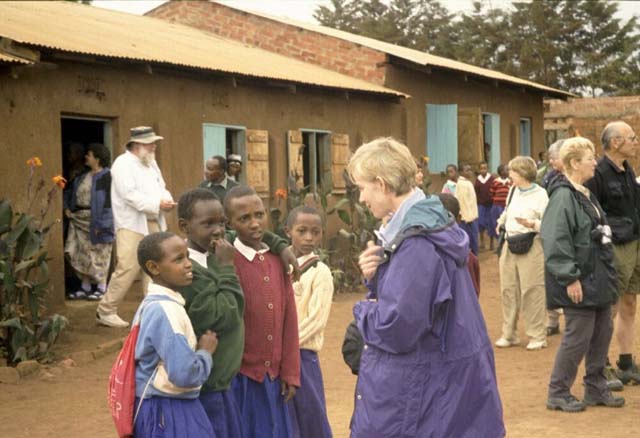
(303,9)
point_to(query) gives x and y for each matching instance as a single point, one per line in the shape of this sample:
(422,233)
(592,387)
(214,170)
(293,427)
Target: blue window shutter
(214,141)
(492,136)
(442,136)
(525,137)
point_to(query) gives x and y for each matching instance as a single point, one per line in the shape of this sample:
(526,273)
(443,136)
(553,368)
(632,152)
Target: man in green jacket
(214,300)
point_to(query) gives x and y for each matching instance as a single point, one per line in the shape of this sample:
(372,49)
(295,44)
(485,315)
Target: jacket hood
(559,181)
(430,219)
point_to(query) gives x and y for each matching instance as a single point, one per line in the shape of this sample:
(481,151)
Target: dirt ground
(74,404)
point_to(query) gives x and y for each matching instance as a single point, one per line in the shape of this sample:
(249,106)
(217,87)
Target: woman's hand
(370,259)
(574,290)
(527,223)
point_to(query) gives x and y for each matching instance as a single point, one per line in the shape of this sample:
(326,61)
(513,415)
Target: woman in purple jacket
(427,368)
(90,235)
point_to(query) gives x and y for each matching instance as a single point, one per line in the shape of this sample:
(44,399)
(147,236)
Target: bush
(25,333)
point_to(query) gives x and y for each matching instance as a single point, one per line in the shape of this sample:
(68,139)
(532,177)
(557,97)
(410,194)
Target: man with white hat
(139,200)
(234,167)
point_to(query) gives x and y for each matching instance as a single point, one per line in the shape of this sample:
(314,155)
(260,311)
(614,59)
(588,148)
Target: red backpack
(122,384)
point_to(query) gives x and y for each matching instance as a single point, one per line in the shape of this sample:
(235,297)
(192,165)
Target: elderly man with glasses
(614,185)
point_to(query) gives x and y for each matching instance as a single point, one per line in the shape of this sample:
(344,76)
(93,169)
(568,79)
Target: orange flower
(281,194)
(34,162)
(59,181)
(425,159)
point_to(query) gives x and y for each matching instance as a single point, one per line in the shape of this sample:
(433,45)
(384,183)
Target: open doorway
(77,133)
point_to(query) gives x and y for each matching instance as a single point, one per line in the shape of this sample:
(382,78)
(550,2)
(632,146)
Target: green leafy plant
(360,225)
(25,331)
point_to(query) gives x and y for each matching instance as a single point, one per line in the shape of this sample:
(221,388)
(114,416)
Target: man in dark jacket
(614,186)
(215,172)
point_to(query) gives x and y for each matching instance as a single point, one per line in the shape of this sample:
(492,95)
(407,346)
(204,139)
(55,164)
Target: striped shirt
(500,191)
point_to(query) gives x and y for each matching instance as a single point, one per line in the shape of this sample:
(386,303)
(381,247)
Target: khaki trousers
(522,286)
(127,269)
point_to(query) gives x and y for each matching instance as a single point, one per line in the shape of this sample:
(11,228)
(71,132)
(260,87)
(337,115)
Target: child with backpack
(313,294)
(171,364)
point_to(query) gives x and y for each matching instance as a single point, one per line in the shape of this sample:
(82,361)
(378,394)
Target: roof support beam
(9,46)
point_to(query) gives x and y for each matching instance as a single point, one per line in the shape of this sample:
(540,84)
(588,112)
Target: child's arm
(290,363)
(278,246)
(217,299)
(319,305)
(185,368)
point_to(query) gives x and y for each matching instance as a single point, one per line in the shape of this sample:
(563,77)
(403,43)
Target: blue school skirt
(262,409)
(496,212)
(484,219)
(223,413)
(308,407)
(471,228)
(164,417)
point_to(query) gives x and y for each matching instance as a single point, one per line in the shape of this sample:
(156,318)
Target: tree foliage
(577,45)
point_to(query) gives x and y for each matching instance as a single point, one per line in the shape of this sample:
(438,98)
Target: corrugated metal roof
(72,27)
(11,59)
(412,55)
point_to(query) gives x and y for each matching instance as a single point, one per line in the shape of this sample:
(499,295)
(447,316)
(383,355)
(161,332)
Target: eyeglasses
(632,139)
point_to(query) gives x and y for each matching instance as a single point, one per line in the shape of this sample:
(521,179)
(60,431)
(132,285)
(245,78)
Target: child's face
(174,268)
(248,217)
(205,226)
(483,169)
(504,172)
(305,234)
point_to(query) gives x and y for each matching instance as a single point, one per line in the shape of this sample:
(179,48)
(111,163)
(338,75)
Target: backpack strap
(153,374)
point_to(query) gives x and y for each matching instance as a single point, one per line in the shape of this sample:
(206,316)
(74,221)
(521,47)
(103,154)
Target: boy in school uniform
(270,370)
(483,183)
(171,365)
(313,294)
(499,192)
(215,301)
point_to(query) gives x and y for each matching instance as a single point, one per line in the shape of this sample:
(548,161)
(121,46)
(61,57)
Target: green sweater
(214,301)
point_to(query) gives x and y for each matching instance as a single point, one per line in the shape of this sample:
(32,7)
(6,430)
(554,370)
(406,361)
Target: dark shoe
(565,404)
(553,330)
(630,376)
(613,383)
(609,400)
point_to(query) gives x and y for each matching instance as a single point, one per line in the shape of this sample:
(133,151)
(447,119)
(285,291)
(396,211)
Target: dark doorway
(77,134)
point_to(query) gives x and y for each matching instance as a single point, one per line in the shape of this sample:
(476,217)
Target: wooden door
(257,168)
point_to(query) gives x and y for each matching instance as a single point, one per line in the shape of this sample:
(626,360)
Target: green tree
(605,50)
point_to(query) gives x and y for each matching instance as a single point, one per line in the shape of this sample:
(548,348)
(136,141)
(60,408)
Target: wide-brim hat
(144,135)
(234,158)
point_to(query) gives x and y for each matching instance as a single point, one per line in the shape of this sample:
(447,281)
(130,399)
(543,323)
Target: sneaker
(630,376)
(112,320)
(553,330)
(505,343)
(613,383)
(609,400)
(78,295)
(565,404)
(95,295)
(536,345)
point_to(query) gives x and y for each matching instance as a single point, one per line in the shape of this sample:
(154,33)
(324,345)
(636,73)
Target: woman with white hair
(427,368)
(580,277)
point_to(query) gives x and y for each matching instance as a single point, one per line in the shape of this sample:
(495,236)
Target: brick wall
(587,117)
(289,40)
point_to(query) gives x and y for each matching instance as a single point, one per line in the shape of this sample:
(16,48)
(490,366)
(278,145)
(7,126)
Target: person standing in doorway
(234,167)
(139,200)
(216,180)
(614,186)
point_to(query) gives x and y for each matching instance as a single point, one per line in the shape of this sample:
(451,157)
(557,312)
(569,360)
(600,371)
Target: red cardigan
(270,320)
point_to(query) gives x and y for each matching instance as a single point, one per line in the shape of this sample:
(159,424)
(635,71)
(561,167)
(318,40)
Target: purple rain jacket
(427,369)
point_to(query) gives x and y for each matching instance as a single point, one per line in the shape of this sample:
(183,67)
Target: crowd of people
(234,316)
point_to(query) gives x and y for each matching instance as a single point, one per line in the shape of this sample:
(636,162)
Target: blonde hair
(574,148)
(387,159)
(525,167)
